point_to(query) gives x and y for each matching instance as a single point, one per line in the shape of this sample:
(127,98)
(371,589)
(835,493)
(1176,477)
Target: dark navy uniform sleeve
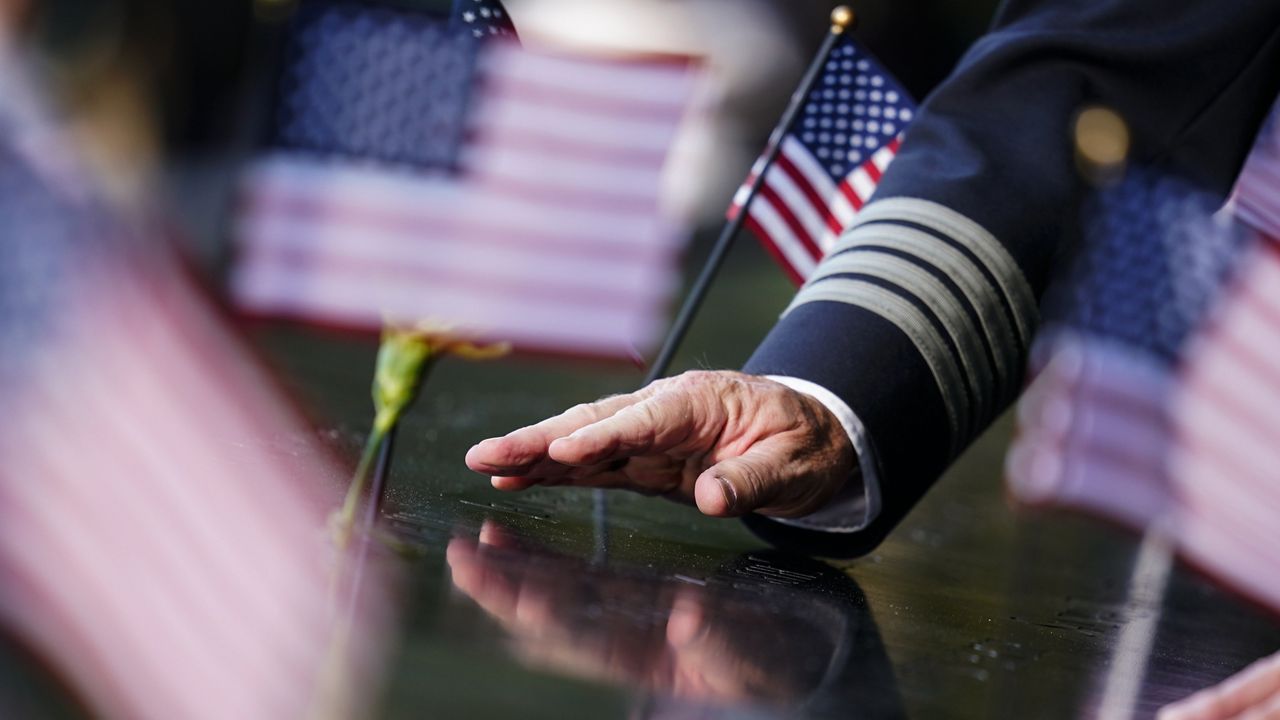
(921,317)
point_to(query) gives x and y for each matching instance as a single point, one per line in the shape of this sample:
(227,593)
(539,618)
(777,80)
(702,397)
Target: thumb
(743,484)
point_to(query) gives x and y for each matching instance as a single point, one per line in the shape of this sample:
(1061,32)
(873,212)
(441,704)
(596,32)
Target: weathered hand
(732,443)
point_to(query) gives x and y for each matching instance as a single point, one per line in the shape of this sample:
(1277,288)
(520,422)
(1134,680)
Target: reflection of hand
(730,442)
(541,600)
(676,638)
(1253,694)
(742,655)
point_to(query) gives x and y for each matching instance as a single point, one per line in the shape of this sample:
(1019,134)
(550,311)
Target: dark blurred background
(175,90)
(195,57)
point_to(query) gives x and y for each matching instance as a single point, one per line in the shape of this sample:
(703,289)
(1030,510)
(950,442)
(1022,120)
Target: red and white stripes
(801,212)
(1094,431)
(1256,200)
(553,237)
(1104,429)
(162,514)
(1227,420)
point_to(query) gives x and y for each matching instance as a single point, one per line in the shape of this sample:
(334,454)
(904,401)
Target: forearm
(921,319)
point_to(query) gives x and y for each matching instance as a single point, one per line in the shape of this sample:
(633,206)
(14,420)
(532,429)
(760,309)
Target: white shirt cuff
(858,502)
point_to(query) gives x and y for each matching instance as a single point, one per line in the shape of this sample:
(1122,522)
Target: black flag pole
(843,20)
(378,486)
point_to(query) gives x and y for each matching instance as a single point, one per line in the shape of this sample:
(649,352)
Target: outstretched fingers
(770,449)
(523,453)
(656,424)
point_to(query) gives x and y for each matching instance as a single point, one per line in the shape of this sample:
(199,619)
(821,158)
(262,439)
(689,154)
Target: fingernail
(683,626)
(730,492)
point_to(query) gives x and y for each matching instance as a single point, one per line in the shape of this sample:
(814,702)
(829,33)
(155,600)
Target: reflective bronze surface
(514,606)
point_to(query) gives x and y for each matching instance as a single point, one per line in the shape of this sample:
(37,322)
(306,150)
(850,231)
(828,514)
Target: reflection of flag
(1157,386)
(161,512)
(830,161)
(549,234)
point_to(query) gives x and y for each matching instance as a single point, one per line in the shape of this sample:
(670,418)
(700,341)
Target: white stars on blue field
(375,83)
(854,109)
(486,18)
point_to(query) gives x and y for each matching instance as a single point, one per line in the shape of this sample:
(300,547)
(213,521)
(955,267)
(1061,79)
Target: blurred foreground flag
(163,546)
(1256,200)
(1227,415)
(417,176)
(1156,398)
(830,161)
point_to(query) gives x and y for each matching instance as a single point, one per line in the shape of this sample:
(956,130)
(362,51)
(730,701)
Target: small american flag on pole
(1096,422)
(1256,200)
(527,211)
(1226,415)
(162,510)
(830,160)
(1157,386)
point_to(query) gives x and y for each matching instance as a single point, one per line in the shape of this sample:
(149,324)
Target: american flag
(1226,415)
(1256,200)
(527,211)
(484,18)
(829,162)
(162,511)
(1156,381)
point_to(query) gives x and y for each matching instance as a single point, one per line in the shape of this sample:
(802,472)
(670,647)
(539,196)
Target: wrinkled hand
(732,443)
